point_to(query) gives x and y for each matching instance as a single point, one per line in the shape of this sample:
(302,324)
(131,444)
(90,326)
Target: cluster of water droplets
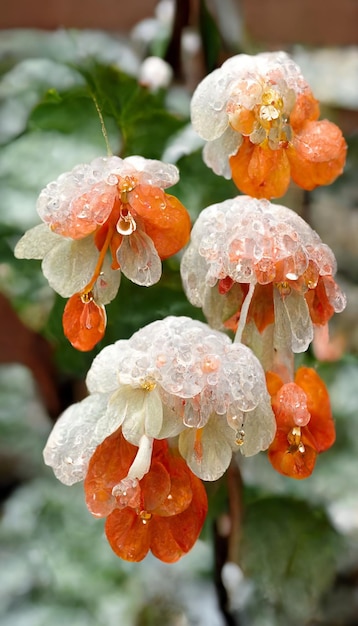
(197,370)
(266,66)
(253,241)
(83,197)
(241,81)
(55,200)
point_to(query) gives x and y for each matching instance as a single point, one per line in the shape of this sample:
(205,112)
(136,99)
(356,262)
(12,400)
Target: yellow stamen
(148,385)
(145,516)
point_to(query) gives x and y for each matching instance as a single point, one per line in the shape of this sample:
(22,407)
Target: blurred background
(297,556)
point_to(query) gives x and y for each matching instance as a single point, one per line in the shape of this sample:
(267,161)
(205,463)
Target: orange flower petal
(128,534)
(243,120)
(108,466)
(273,383)
(171,537)
(317,154)
(291,462)
(84,322)
(155,486)
(165,219)
(259,171)
(321,426)
(306,109)
(261,308)
(319,306)
(180,495)
(85,213)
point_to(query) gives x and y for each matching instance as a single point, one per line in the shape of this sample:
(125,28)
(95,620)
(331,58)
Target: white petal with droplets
(139,259)
(216,153)
(74,439)
(217,442)
(70,264)
(36,243)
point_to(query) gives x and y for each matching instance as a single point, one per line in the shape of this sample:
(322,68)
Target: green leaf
(198,186)
(289,549)
(73,111)
(140,115)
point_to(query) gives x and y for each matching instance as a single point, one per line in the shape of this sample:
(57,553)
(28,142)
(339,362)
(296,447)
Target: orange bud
(84,321)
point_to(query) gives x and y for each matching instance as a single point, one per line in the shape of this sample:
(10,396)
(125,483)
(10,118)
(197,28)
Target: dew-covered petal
(36,243)
(208,454)
(298,316)
(108,466)
(69,265)
(318,154)
(321,425)
(84,322)
(153,172)
(296,464)
(127,535)
(107,284)
(172,423)
(73,439)
(259,171)
(216,153)
(103,375)
(259,428)
(79,200)
(179,495)
(173,536)
(208,105)
(139,260)
(165,219)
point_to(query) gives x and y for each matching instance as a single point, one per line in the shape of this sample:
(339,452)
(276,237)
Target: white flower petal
(217,441)
(216,153)
(70,264)
(107,284)
(73,439)
(208,110)
(259,428)
(292,316)
(139,259)
(36,243)
(103,375)
(172,424)
(153,172)
(137,410)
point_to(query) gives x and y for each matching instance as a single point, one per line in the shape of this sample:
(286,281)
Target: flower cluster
(258,268)
(260,120)
(101,219)
(175,378)
(171,406)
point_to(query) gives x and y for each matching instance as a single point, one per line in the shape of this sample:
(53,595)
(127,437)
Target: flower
(258,269)
(175,377)
(260,120)
(304,419)
(163,512)
(102,218)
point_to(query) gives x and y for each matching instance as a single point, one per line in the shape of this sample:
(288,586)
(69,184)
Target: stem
(100,260)
(243,313)
(103,126)
(226,547)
